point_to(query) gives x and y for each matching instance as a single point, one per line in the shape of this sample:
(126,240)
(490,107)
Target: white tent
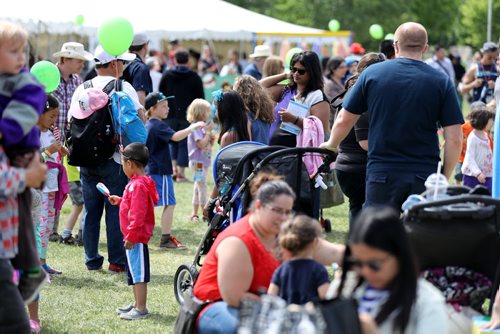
(184,19)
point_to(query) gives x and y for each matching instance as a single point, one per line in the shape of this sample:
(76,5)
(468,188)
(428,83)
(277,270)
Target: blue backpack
(127,123)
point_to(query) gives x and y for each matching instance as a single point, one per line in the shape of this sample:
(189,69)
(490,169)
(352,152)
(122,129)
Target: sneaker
(35,326)
(181,178)
(135,314)
(50,270)
(194,218)
(68,240)
(79,240)
(54,236)
(124,309)
(171,243)
(116,268)
(95,269)
(30,286)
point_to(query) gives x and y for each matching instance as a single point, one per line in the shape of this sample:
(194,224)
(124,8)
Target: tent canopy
(186,19)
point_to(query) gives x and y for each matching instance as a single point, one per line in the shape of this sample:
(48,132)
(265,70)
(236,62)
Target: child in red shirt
(137,220)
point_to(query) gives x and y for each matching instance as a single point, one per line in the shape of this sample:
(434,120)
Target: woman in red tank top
(243,258)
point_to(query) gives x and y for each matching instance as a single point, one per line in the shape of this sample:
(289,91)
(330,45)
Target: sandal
(195,218)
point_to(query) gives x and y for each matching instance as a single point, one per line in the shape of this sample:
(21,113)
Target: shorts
(137,266)
(458,172)
(165,188)
(76,193)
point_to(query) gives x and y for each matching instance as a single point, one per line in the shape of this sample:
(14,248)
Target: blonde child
(478,161)
(160,162)
(200,143)
(300,279)
(52,150)
(137,221)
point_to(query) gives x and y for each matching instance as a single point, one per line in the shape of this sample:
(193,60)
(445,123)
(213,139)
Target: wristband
(330,148)
(296,120)
(47,152)
(44,156)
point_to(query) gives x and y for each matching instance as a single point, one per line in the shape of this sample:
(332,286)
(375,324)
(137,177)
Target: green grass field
(80,301)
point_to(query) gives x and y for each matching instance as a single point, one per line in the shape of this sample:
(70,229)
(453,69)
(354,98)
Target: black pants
(353,186)
(13,315)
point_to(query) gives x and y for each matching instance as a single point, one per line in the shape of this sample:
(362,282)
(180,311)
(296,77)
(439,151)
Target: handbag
(185,323)
(340,315)
(333,195)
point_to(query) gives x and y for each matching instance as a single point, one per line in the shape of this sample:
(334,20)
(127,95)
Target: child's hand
(54,147)
(197,125)
(114,200)
(128,244)
(63,151)
(209,127)
(481,178)
(36,172)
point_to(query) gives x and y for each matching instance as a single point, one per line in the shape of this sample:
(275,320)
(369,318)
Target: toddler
(137,221)
(200,143)
(300,279)
(478,161)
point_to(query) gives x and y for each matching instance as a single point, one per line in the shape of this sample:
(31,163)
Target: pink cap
(89,101)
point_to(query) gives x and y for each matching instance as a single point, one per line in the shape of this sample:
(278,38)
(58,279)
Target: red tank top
(263,262)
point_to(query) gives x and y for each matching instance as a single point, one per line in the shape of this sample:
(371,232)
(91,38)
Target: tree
(474,22)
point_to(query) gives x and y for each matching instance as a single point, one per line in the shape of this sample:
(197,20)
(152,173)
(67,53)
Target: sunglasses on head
(300,71)
(373,265)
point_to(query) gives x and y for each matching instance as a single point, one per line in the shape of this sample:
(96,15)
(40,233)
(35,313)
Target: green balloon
(376,31)
(80,19)
(389,36)
(289,56)
(47,74)
(116,35)
(334,25)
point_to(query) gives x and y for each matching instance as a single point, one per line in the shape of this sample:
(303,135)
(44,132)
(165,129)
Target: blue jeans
(393,188)
(219,318)
(111,174)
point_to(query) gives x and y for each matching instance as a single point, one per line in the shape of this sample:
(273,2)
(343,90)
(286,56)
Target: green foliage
(474,22)
(447,21)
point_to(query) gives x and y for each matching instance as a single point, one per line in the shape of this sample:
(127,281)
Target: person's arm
(327,252)
(272,85)
(234,270)
(363,144)
(340,129)
(181,134)
(469,80)
(452,147)
(142,97)
(273,290)
(494,322)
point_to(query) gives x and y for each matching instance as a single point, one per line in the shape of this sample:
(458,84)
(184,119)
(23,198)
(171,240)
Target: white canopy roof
(183,19)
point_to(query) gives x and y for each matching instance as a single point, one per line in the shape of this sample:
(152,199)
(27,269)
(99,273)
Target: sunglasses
(280,211)
(373,265)
(300,71)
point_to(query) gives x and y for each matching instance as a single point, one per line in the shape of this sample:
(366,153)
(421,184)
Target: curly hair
(256,98)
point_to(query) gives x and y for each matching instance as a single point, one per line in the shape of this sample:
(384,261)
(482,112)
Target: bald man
(407,101)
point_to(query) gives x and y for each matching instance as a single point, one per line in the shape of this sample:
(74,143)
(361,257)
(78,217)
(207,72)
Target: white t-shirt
(100,82)
(311,99)
(51,184)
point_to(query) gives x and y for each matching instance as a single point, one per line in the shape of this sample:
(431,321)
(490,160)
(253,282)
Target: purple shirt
(197,154)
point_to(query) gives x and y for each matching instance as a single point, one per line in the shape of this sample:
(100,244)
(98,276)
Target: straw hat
(73,50)
(261,51)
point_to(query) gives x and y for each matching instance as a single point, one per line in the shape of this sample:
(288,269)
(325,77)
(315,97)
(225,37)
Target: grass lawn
(80,301)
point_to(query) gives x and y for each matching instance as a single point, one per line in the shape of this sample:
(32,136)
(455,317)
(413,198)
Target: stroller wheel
(327,225)
(184,279)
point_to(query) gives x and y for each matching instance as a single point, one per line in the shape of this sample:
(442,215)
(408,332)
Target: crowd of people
(394,104)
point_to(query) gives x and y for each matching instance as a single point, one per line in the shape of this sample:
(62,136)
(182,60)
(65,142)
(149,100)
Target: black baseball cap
(154,98)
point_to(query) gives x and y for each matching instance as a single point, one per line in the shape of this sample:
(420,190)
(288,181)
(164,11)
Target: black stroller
(234,167)
(462,230)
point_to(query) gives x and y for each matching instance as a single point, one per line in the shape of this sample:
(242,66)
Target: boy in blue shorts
(160,164)
(137,221)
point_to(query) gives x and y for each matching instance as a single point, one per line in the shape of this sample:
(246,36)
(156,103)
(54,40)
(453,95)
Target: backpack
(128,125)
(91,141)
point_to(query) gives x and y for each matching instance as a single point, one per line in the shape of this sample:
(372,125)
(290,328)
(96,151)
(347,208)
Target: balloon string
(119,130)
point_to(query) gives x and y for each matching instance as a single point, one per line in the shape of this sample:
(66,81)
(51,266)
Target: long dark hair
(311,63)
(231,115)
(381,228)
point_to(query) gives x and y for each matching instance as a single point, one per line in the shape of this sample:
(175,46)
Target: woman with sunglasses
(241,262)
(305,86)
(391,297)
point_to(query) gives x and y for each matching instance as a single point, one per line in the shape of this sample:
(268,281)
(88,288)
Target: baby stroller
(462,230)
(234,167)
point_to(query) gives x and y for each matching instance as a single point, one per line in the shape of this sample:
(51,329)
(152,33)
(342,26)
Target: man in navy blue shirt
(407,101)
(259,56)
(137,72)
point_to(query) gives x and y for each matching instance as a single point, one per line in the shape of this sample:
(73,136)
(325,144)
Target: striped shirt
(12,182)
(64,93)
